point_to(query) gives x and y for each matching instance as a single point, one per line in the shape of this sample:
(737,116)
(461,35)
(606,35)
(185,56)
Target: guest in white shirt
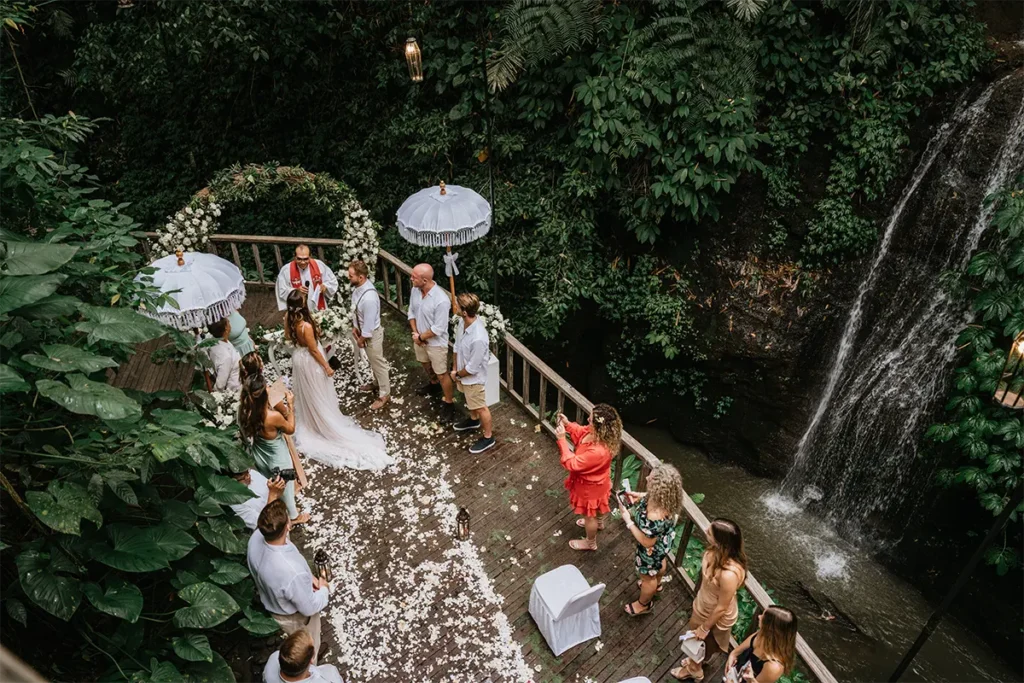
(470,356)
(310,276)
(293,662)
(267,491)
(224,356)
(367,330)
(429,312)
(287,589)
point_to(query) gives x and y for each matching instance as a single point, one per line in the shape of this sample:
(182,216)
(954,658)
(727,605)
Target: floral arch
(190,228)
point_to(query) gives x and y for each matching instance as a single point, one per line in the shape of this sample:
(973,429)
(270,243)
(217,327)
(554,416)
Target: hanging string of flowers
(189,229)
(360,239)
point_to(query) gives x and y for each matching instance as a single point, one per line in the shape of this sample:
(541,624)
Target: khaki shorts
(437,356)
(476,395)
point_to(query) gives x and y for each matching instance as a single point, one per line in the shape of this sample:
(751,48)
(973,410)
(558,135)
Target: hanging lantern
(414,59)
(323,565)
(1010,387)
(462,525)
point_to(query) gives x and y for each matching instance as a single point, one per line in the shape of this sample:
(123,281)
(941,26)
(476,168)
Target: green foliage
(106,484)
(979,442)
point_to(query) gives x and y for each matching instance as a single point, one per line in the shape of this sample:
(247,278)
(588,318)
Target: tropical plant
(980,443)
(116,540)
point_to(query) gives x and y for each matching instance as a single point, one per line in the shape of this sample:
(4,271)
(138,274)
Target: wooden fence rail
(394,275)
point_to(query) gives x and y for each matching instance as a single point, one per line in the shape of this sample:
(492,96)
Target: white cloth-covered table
(565,608)
(638,679)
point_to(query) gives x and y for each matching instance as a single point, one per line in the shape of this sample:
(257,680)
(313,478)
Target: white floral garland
(360,240)
(189,229)
(494,322)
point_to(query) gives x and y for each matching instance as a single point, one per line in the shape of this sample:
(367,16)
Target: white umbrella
(444,216)
(210,289)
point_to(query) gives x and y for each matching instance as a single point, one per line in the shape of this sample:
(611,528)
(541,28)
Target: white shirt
(284,285)
(323,672)
(249,510)
(473,351)
(283,579)
(431,312)
(366,305)
(225,366)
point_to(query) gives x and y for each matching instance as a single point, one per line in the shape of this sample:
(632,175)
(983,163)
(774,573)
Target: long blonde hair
(777,636)
(298,313)
(665,489)
(606,426)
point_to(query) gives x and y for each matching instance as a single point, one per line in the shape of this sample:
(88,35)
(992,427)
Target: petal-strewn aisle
(410,602)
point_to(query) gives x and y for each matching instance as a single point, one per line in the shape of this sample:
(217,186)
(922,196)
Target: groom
(310,276)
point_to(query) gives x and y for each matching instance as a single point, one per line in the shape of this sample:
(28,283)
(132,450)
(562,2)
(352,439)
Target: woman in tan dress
(715,610)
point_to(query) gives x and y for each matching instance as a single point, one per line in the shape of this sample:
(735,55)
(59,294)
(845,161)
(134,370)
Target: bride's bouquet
(222,411)
(335,323)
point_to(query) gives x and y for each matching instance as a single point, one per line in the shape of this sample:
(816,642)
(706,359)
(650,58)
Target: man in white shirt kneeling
(294,662)
(287,589)
(469,370)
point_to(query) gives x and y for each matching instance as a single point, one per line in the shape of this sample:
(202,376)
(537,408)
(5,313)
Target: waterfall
(891,364)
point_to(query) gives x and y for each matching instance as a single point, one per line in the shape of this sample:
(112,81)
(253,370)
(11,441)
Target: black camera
(287,475)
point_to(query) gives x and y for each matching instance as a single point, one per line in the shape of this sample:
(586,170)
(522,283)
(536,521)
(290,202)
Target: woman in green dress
(239,334)
(263,429)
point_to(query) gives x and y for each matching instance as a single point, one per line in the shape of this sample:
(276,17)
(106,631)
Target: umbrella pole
(451,284)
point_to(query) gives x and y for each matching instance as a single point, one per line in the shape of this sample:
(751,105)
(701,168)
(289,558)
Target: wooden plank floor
(521,524)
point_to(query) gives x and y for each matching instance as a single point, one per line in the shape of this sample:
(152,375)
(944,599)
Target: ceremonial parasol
(444,216)
(206,288)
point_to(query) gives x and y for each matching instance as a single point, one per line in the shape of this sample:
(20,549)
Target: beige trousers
(378,364)
(290,623)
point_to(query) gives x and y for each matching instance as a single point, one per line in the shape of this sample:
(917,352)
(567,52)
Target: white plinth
(493,385)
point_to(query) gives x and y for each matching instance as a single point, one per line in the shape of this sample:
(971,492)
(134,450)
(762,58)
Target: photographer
(266,490)
(286,586)
(263,428)
(769,652)
(293,662)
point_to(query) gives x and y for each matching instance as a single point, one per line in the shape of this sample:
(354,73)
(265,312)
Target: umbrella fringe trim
(443,239)
(201,317)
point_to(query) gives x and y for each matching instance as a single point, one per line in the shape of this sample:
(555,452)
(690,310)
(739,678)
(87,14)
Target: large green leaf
(87,397)
(119,325)
(120,599)
(193,647)
(33,258)
(53,306)
(209,606)
(16,292)
(178,514)
(224,490)
(216,671)
(258,624)
(218,533)
(174,542)
(11,381)
(177,418)
(159,672)
(131,549)
(227,572)
(63,505)
(58,595)
(64,358)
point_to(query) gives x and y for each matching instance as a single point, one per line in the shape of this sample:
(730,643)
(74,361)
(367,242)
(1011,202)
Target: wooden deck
(521,527)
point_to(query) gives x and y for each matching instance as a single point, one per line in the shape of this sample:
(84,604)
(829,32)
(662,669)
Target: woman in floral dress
(590,475)
(653,525)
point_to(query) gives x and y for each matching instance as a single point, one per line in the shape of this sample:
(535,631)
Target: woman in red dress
(590,468)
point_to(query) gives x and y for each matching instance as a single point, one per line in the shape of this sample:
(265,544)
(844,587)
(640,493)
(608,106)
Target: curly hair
(665,489)
(606,426)
(298,312)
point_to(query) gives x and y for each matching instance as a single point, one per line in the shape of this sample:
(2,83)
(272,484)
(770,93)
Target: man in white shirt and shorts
(469,371)
(430,309)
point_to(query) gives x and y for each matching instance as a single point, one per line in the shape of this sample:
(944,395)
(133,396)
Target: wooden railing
(525,378)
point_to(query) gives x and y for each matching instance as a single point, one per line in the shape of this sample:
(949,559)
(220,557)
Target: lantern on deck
(323,566)
(462,525)
(414,59)
(1010,387)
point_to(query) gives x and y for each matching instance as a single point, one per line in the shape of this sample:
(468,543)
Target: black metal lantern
(462,525)
(1010,387)
(414,59)
(323,565)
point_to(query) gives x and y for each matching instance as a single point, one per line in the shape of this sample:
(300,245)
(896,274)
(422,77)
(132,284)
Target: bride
(321,431)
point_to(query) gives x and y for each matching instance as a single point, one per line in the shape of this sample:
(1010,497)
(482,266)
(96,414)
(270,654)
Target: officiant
(310,276)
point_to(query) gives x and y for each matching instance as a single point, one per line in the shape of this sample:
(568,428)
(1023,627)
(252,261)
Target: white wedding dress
(322,432)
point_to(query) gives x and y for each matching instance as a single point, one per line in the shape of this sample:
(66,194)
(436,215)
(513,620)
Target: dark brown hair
(273,520)
(360,268)
(296,653)
(252,408)
(298,312)
(251,364)
(217,328)
(727,546)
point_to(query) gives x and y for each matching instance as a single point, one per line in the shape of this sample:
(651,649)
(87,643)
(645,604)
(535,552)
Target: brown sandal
(683,673)
(582,522)
(648,609)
